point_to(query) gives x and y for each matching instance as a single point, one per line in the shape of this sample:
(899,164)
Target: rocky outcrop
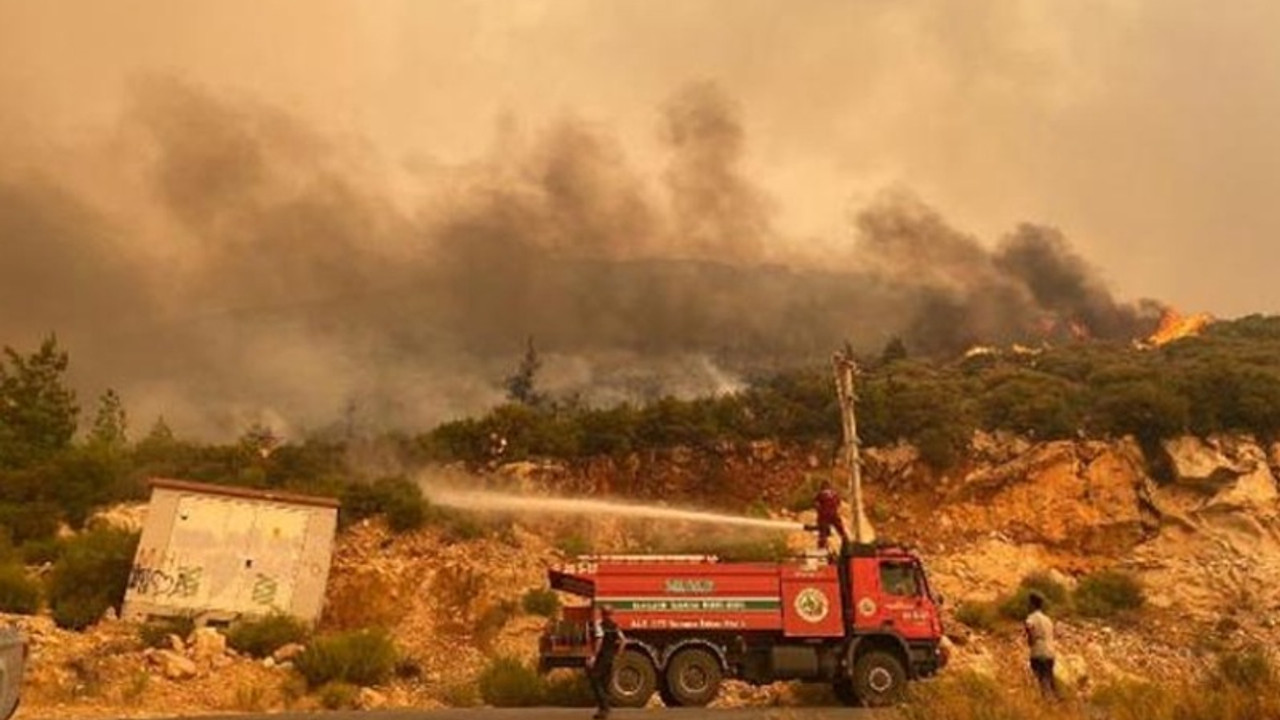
(1080,497)
(174,665)
(1218,548)
(207,644)
(1219,474)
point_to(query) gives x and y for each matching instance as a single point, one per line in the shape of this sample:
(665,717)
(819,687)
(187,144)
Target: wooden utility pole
(845,370)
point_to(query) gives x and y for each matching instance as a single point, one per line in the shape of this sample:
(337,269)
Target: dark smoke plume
(1033,287)
(276,276)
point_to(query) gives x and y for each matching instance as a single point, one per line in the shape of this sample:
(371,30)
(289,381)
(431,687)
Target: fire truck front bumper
(928,659)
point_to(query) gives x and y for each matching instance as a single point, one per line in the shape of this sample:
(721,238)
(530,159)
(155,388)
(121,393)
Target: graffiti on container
(188,582)
(264,589)
(149,581)
(182,582)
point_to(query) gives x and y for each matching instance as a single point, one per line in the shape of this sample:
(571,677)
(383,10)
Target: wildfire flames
(1175,326)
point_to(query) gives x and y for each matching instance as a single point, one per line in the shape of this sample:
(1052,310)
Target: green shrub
(79,611)
(19,594)
(463,694)
(567,688)
(573,544)
(1249,669)
(978,615)
(398,498)
(260,637)
(28,521)
(42,550)
(406,513)
(541,601)
(457,526)
(8,552)
(610,431)
(1145,408)
(941,447)
(1033,404)
(1018,605)
(91,576)
(1108,592)
(361,657)
(155,633)
(507,682)
(802,497)
(338,695)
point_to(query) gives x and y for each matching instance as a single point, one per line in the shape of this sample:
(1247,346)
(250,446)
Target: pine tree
(111,423)
(521,387)
(38,411)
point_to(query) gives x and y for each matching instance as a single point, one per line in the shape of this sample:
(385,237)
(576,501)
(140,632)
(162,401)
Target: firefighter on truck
(863,621)
(827,504)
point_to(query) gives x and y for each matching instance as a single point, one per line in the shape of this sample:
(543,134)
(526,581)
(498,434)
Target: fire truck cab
(864,621)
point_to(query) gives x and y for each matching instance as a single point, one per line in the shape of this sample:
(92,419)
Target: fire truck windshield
(899,578)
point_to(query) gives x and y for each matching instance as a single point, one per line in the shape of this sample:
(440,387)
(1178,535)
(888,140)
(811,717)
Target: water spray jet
(506,502)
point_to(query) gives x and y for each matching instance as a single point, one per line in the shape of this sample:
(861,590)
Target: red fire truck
(865,621)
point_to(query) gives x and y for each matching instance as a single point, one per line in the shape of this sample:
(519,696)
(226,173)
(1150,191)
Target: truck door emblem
(698,586)
(812,605)
(867,606)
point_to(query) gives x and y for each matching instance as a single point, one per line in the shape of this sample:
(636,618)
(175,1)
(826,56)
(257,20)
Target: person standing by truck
(606,642)
(1039,630)
(827,503)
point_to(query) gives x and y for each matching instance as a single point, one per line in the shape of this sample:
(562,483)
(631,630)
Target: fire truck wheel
(879,679)
(693,677)
(634,679)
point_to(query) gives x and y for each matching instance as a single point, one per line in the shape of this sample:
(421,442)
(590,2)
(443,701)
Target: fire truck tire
(879,679)
(693,677)
(634,680)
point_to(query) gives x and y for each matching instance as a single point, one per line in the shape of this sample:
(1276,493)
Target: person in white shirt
(1040,642)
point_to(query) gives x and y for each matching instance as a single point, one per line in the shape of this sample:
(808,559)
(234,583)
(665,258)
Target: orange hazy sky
(1145,129)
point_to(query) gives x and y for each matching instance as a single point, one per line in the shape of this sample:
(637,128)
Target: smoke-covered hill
(220,263)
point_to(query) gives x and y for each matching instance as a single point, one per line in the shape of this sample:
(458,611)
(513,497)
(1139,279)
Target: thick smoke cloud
(716,211)
(296,284)
(1032,287)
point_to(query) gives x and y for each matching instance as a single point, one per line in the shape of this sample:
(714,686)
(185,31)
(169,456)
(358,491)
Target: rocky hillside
(1197,524)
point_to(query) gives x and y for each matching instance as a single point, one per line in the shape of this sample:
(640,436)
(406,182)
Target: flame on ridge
(1175,326)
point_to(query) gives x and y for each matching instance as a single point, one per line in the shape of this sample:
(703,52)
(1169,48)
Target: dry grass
(971,696)
(460,694)
(338,695)
(1244,686)
(133,691)
(364,599)
(456,589)
(251,698)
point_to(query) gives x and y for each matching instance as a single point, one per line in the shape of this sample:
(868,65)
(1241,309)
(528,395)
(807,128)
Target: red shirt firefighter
(827,503)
